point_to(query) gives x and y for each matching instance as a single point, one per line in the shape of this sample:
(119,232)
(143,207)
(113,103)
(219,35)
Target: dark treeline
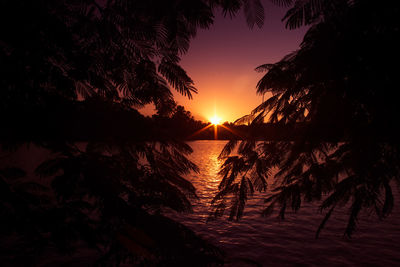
(182,125)
(97,119)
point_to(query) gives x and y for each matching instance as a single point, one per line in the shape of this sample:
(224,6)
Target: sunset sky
(222,59)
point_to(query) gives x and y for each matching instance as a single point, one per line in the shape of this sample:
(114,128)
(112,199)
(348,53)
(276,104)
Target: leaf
(228,148)
(322,224)
(303,13)
(284,3)
(177,77)
(264,67)
(244,120)
(254,12)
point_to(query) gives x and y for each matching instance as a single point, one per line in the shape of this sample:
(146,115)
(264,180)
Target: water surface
(273,242)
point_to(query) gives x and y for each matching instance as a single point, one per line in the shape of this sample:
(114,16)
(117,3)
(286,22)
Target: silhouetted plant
(340,89)
(53,53)
(87,59)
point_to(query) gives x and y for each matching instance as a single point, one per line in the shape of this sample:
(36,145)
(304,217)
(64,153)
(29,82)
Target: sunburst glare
(215,120)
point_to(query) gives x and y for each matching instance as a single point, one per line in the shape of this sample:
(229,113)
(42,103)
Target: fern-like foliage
(254,12)
(109,49)
(339,105)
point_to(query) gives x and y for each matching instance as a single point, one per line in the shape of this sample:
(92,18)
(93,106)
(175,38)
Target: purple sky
(222,59)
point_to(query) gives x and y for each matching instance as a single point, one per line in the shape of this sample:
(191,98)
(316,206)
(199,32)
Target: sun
(215,120)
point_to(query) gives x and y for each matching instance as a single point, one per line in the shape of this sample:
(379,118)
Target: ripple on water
(273,242)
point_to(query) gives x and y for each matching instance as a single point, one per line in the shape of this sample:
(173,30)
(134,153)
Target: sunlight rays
(199,131)
(232,131)
(216,131)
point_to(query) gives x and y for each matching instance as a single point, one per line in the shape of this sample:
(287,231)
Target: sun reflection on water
(213,168)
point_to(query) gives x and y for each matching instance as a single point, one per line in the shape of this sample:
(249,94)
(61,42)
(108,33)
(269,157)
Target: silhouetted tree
(62,59)
(341,86)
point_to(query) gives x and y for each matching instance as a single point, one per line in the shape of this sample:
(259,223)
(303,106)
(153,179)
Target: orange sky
(221,61)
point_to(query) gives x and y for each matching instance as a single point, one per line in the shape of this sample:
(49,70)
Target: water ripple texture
(289,242)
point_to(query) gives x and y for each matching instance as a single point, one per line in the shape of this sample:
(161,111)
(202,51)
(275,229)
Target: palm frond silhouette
(337,103)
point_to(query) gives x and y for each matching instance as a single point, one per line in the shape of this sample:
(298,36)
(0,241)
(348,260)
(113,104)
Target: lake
(273,242)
